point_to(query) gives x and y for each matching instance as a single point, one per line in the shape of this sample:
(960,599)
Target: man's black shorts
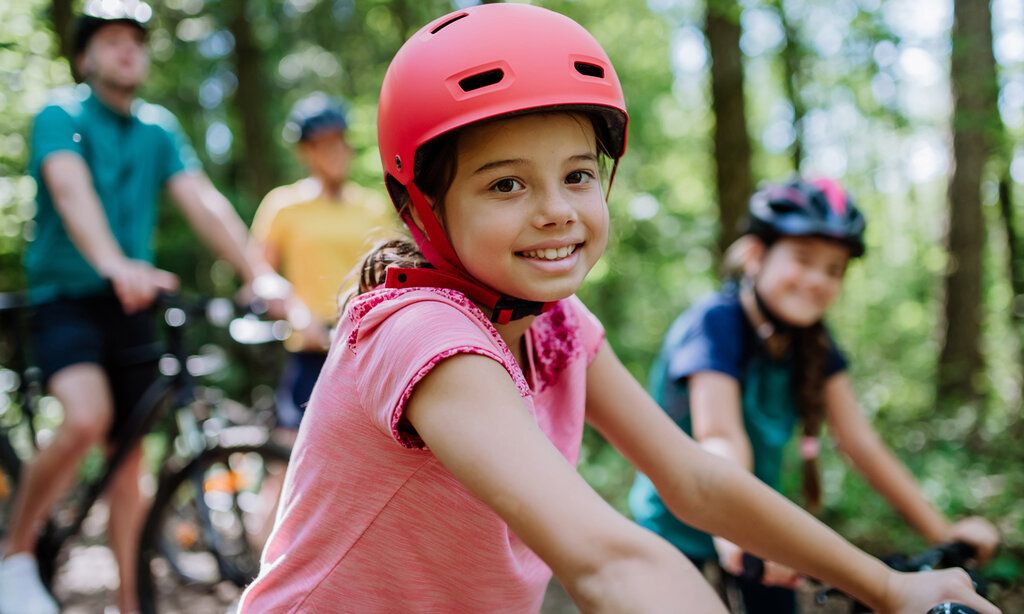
(94,329)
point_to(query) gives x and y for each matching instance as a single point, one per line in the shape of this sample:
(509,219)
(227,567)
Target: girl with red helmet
(741,369)
(434,468)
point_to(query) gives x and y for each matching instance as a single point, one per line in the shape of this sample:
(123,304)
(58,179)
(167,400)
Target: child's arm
(469,413)
(716,413)
(859,441)
(724,499)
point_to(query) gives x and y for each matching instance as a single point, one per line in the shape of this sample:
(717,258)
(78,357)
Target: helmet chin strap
(448,271)
(771,323)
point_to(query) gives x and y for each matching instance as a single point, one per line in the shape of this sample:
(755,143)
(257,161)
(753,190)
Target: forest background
(916,105)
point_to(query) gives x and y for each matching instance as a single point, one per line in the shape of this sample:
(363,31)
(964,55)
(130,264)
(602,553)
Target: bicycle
(204,531)
(942,556)
(204,423)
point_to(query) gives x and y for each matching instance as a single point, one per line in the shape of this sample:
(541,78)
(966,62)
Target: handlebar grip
(753,568)
(952,608)
(955,554)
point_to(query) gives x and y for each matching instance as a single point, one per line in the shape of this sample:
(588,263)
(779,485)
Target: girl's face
(526,211)
(800,277)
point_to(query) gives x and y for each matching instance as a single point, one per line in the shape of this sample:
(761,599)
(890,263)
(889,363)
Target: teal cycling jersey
(130,158)
(716,335)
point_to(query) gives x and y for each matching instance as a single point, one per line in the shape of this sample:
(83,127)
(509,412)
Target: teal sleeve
(53,130)
(181,156)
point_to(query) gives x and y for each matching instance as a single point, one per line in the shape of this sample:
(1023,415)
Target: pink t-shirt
(370,520)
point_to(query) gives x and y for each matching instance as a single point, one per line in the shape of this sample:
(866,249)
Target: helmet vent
(448,23)
(590,70)
(483,79)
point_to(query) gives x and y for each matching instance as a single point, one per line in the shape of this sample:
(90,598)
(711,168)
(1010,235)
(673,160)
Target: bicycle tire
(197,536)
(10,472)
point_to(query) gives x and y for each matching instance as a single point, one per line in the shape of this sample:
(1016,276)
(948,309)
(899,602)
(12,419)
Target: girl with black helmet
(741,369)
(434,468)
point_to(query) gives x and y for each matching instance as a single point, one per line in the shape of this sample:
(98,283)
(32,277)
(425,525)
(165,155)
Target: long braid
(810,353)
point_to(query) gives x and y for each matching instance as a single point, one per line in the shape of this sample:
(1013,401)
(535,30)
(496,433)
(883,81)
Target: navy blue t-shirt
(715,335)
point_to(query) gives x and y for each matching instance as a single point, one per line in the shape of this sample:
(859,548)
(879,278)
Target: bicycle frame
(146,412)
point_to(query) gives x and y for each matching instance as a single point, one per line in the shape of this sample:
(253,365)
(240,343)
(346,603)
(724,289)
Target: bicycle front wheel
(201,543)
(10,468)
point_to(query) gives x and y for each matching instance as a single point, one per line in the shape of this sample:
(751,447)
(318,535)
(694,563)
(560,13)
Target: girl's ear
(416,214)
(416,218)
(753,256)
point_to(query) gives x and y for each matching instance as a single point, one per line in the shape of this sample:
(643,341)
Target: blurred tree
(792,60)
(64,27)
(732,142)
(973,80)
(260,172)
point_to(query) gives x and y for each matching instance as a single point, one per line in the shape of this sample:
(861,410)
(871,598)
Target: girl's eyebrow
(583,157)
(497,163)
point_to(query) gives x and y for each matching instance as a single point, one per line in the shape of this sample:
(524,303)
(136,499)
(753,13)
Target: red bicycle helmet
(476,64)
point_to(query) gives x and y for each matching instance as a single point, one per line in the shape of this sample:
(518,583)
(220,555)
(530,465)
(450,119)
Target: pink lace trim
(412,440)
(556,342)
(555,334)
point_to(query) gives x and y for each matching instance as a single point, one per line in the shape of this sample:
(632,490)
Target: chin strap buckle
(509,308)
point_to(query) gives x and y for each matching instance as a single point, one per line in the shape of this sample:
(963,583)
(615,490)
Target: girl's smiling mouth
(550,253)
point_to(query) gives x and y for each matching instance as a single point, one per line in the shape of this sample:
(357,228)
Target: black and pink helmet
(801,208)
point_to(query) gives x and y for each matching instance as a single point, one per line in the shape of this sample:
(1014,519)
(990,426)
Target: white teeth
(551,253)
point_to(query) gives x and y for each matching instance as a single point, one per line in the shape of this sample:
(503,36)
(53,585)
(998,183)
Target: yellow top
(319,241)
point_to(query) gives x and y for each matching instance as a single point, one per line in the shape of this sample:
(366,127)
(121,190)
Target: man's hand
(137,283)
(271,290)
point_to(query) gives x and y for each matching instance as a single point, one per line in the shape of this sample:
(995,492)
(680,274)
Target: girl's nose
(820,281)
(554,209)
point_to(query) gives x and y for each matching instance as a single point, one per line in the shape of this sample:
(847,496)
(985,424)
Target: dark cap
(313,114)
(98,13)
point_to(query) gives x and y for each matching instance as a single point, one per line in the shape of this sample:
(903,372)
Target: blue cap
(313,114)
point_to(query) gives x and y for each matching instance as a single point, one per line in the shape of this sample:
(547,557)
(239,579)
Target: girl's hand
(730,557)
(977,532)
(914,593)
(777,574)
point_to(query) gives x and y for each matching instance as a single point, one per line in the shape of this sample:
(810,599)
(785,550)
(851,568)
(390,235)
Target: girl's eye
(579,177)
(507,185)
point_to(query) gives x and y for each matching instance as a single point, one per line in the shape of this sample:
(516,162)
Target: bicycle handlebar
(953,554)
(244,324)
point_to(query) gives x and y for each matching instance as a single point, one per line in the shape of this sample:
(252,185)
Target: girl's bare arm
(471,416)
(723,499)
(859,441)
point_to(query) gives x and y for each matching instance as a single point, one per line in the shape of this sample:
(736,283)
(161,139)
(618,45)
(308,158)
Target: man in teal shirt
(101,158)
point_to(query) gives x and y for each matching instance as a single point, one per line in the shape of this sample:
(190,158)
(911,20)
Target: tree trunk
(1013,255)
(732,143)
(64,26)
(974,107)
(792,53)
(258,171)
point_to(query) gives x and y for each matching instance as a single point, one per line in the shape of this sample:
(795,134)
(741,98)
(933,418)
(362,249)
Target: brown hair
(810,354)
(435,171)
(810,348)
